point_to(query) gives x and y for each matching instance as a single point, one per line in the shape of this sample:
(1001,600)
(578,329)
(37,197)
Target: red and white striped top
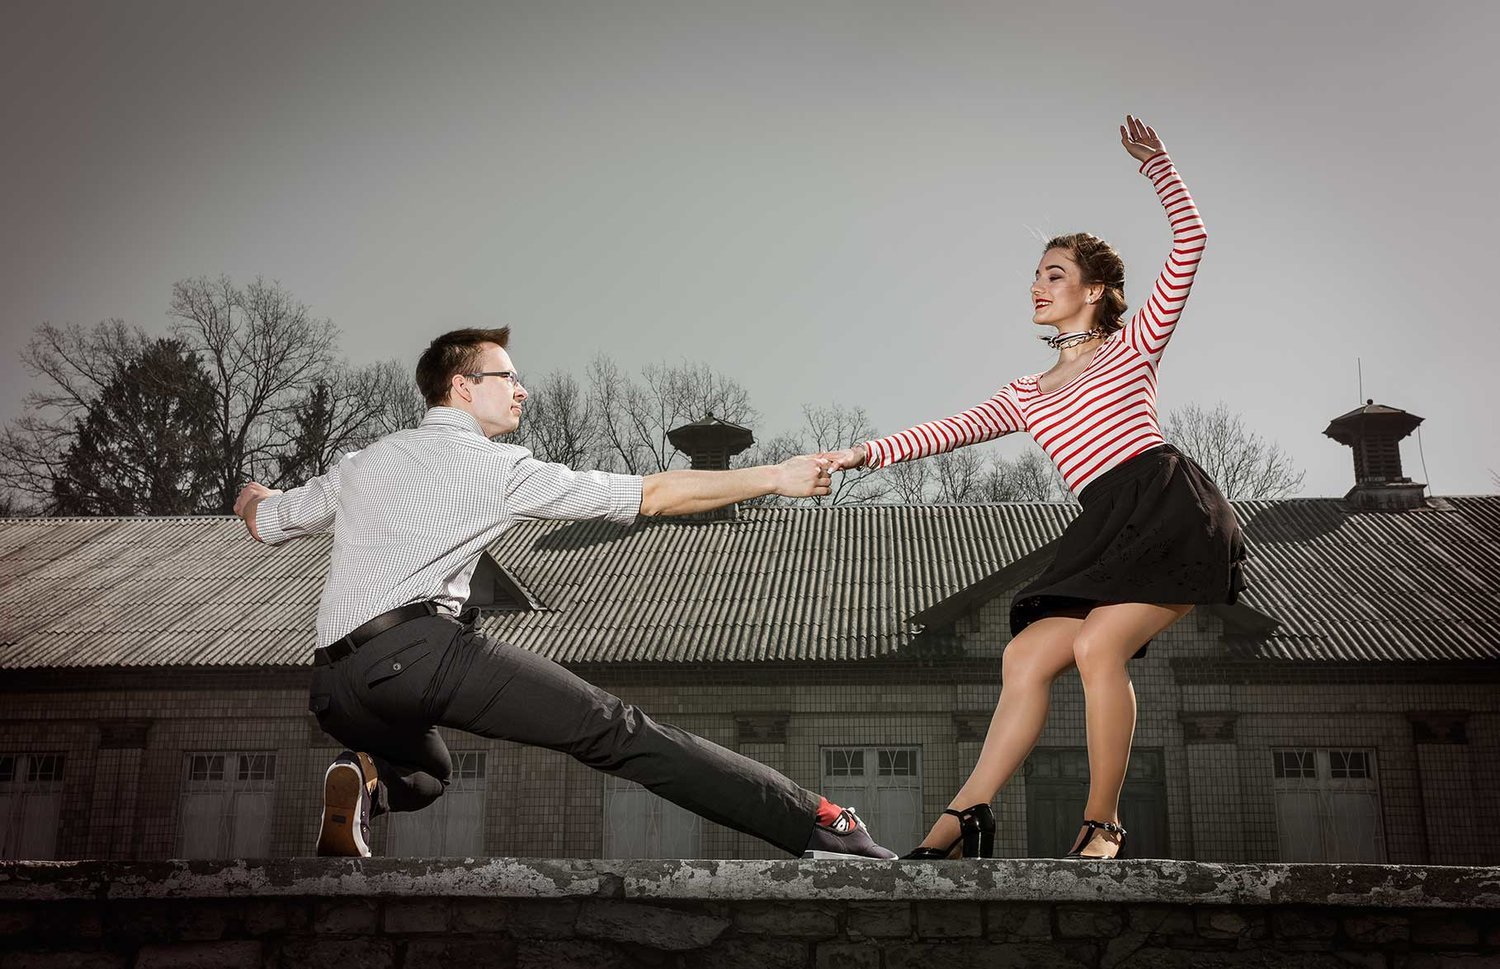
(1107,414)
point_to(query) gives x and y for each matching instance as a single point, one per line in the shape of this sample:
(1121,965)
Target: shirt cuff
(624,497)
(268,521)
(1158,161)
(874,456)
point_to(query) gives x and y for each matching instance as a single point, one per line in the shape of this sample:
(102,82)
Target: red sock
(828,812)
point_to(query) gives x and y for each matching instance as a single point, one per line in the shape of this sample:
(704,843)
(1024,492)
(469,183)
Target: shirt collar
(452,417)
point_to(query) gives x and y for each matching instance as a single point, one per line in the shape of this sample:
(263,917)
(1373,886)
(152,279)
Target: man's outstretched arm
(274,517)
(690,492)
(248,503)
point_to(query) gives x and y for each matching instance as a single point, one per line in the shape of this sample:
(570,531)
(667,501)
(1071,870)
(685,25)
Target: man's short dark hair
(456,351)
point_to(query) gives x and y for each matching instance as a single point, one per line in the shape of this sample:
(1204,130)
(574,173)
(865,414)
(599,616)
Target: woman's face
(1058,294)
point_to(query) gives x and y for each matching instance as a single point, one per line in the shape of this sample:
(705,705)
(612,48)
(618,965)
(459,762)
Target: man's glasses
(510,375)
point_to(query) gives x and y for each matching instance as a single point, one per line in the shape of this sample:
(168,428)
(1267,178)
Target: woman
(1154,537)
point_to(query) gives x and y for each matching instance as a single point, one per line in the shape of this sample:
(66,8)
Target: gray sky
(829,202)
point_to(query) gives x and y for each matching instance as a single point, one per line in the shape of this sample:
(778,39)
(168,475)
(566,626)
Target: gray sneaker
(845,837)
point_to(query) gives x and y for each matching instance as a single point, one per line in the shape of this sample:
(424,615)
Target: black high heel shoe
(976,833)
(1088,837)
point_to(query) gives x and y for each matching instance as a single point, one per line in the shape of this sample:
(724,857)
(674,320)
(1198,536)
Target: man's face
(494,401)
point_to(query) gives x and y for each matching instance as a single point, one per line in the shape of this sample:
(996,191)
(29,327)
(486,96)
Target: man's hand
(804,476)
(847,459)
(248,501)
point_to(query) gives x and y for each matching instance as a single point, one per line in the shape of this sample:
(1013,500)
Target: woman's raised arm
(1151,327)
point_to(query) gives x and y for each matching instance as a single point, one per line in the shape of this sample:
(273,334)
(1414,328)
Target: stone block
(949,920)
(1160,920)
(16,919)
(275,916)
(63,960)
(1122,947)
(878,920)
(1361,960)
(660,928)
(357,916)
(1089,921)
(739,953)
(68,921)
(467,915)
(178,921)
(568,954)
(847,955)
(413,916)
(1444,931)
(1018,920)
(317,953)
(531,919)
(983,955)
(801,920)
(200,955)
(451,953)
(1302,923)
(1377,929)
(1444,960)
(1228,923)
(1250,957)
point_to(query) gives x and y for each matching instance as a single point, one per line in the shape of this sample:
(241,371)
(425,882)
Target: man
(410,515)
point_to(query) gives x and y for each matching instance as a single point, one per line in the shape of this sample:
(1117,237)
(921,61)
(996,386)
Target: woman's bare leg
(1029,665)
(1105,641)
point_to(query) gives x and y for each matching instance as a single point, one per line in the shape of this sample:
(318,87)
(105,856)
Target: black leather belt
(337,650)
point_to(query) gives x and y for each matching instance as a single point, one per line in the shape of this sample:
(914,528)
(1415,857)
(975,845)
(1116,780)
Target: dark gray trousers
(388,698)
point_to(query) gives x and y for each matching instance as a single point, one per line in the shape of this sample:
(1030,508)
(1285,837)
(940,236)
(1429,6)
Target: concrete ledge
(1026,880)
(396,913)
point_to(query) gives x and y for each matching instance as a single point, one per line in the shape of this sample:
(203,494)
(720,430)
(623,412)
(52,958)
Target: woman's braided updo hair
(1099,263)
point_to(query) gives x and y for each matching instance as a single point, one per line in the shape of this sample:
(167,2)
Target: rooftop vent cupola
(709,444)
(1375,431)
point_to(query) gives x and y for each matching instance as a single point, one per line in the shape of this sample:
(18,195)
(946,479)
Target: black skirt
(1155,529)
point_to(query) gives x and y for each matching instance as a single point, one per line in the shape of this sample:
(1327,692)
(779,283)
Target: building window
(1327,805)
(30,805)
(226,805)
(453,825)
(884,784)
(638,824)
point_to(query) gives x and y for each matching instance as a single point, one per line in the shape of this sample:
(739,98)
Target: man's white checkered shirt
(412,513)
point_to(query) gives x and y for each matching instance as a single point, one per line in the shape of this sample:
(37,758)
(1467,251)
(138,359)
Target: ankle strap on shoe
(1109,826)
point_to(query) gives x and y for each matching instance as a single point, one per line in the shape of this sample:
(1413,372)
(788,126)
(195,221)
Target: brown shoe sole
(340,835)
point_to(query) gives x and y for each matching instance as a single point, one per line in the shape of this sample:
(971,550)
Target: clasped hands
(811,475)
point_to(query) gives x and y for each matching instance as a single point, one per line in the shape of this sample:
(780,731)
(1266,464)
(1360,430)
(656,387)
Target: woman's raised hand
(1139,138)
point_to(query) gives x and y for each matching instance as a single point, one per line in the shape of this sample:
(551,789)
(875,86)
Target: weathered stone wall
(724,915)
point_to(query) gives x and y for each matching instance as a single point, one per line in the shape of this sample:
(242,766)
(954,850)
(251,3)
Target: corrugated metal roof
(778,584)
(1355,586)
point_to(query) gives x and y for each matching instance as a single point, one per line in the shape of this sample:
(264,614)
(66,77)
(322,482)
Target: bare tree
(824,428)
(1239,461)
(561,423)
(395,402)
(634,418)
(267,353)
(1031,476)
(76,365)
(960,475)
(909,481)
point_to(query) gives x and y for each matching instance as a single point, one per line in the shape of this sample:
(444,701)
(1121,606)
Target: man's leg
(495,690)
(388,766)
